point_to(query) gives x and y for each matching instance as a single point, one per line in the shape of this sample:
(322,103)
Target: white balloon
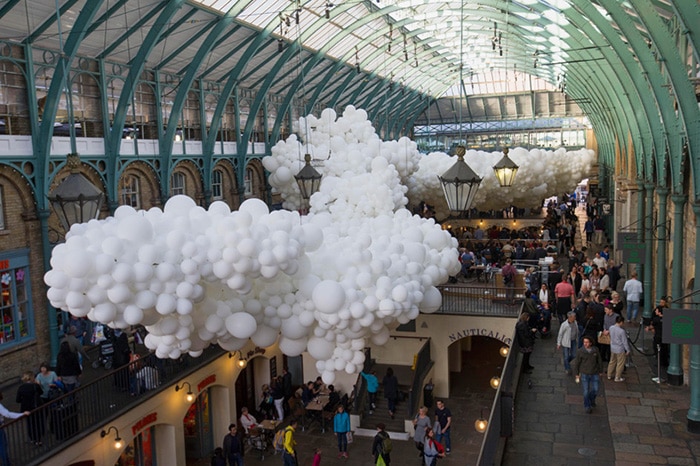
(241,325)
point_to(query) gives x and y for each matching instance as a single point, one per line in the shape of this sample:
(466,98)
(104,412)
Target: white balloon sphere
(328,377)
(241,325)
(319,348)
(264,336)
(292,347)
(432,300)
(328,296)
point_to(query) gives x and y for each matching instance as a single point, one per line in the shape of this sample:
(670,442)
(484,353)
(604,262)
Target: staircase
(381,414)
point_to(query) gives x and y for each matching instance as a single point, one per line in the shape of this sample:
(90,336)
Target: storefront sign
(206,382)
(633,250)
(148,419)
(480,332)
(4,264)
(681,327)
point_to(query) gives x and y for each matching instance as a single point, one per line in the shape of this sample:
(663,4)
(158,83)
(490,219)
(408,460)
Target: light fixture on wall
(482,423)
(75,199)
(459,182)
(495,382)
(504,351)
(118,444)
(189,396)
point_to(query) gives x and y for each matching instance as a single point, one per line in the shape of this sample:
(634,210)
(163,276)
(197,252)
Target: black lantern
(460,184)
(308,179)
(75,199)
(505,170)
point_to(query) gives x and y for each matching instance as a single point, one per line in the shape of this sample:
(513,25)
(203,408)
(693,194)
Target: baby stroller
(543,321)
(104,337)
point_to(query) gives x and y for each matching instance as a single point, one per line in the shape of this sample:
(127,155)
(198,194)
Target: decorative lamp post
(460,184)
(505,170)
(308,179)
(75,199)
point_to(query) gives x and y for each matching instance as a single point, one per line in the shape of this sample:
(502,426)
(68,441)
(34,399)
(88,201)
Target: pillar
(46,249)
(649,253)
(662,237)
(675,370)
(694,379)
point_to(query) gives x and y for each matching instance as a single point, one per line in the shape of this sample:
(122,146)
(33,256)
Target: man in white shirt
(600,261)
(633,290)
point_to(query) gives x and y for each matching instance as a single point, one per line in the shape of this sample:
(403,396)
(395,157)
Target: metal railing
(481,300)
(76,414)
(501,422)
(421,368)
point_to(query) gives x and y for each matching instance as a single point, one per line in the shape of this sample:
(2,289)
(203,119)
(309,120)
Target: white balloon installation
(326,282)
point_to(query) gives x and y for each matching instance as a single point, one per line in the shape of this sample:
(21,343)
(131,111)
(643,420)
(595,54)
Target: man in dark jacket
(587,366)
(526,340)
(233,447)
(377,445)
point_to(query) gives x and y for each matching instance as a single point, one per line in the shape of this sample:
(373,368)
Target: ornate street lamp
(505,170)
(75,199)
(308,179)
(460,184)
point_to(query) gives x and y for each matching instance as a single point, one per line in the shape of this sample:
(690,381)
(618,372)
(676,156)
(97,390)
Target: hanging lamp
(505,170)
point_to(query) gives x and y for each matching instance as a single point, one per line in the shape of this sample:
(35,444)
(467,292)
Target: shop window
(248,182)
(141,452)
(177,184)
(2,209)
(129,191)
(15,299)
(216,185)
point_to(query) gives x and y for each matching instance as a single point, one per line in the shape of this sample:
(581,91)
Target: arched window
(248,181)
(216,185)
(177,184)
(129,191)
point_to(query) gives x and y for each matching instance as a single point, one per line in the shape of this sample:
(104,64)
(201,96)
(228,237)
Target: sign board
(681,327)
(633,251)
(606,209)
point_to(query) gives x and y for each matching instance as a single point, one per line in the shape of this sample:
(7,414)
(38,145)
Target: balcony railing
(488,300)
(62,421)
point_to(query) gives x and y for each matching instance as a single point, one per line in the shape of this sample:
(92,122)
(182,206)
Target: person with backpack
(509,272)
(381,447)
(432,450)
(289,452)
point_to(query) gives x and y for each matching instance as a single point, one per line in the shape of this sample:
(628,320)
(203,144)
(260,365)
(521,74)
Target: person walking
(526,340)
(509,273)
(379,446)
(565,295)
(6,414)
(619,349)
(278,397)
(341,427)
(372,387)
(420,423)
(28,394)
(567,340)
(233,446)
(289,454)
(68,367)
(633,289)
(443,416)
(391,390)
(432,450)
(587,366)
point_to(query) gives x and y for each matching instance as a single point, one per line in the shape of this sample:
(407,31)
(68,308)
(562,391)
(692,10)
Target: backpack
(438,446)
(278,442)
(386,445)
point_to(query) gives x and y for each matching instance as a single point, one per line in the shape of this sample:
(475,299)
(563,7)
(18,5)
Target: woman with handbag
(341,427)
(420,423)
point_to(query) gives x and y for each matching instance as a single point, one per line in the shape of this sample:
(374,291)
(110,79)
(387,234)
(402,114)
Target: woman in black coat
(68,366)
(391,390)
(28,395)
(526,339)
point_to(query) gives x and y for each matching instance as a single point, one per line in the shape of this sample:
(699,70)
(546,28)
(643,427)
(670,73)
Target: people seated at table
(333,399)
(308,393)
(249,423)
(319,386)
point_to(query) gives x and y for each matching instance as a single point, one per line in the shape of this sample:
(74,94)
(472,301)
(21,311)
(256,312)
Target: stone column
(649,253)
(675,370)
(694,379)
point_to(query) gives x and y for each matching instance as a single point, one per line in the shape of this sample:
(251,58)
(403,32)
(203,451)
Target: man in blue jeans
(633,289)
(587,365)
(444,417)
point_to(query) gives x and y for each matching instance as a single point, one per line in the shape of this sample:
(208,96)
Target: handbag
(603,339)
(380,461)
(348,435)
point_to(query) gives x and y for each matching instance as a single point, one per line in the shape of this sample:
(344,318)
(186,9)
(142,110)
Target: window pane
(249,182)
(15,308)
(129,191)
(216,181)
(177,184)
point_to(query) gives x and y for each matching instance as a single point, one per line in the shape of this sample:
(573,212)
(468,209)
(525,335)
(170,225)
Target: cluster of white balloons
(542,174)
(353,268)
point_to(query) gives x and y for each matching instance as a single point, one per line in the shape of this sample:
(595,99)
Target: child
(218,458)
(317,457)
